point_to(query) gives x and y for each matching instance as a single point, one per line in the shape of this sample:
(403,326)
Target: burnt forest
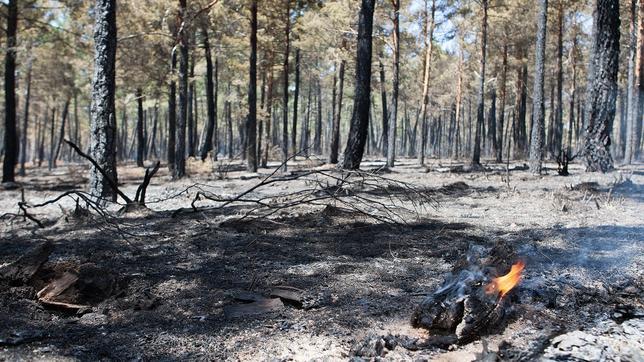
(322,180)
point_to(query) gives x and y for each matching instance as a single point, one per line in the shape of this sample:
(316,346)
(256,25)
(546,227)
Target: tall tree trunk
(229,128)
(285,87)
(251,128)
(269,115)
(476,154)
(335,136)
(602,86)
(428,31)
(360,119)
(538,111)
(317,140)
(25,117)
(211,105)
(501,119)
(492,123)
(179,170)
(304,139)
(10,130)
(519,128)
(103,124)
(61,134)
(573,92)
(172,116)
(558,136)
(385,121)
(140,137)
(191,108)
(296,98)
(634,119)
(393,122)
(155,120)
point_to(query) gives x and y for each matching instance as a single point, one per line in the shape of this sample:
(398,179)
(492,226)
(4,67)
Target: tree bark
(360,119)
(391,135)
(634,93)
(558,136)
(538,111)
(25,117)
(501,119)
(602,86)
(296,98)
(172,115)
(10,130)
(335,136)
(210,99)
(428,30)
(251,129)
(385,120)
(61,134)
(179,170)
(285,87)
(140,138)
(480,115)
(317,140)
(103,124)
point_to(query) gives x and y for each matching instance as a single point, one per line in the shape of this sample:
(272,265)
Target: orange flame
(505,283)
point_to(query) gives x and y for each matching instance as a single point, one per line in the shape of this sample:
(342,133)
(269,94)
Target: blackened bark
(251,128)
(385,120)
(25,118)
(476,154)
(558,136)
(140,137)
(191,109)
(317,140)
(155,121)
(103,117)
(335,135)
(179,170)
(360,119)
(391,135)
(268,121)
(634,118)
(519,128)
(285,87)
(172,115)
(210,99)
(296,98)
(501,118)
(602,86)
(61,133)
(428,30)
(10,130)
(492,123)
(538,111)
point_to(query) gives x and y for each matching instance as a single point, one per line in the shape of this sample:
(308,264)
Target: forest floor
(178,275)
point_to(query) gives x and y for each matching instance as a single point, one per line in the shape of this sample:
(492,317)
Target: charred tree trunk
(61,134)
(335,136)
(285,88)
(573,93)
(211,103)
(360,119)
(558,137)
(428,36)
(296,98)
(251,128)
(172,116)
(317,140)
(191,109)
(385,120)
(501,119)
(103,124)
(476,154)
(179,170)
(634,83)
(140,137)
(602,86)
(10,130)
(25,118)
(538,112)
(269,115)
(391,135)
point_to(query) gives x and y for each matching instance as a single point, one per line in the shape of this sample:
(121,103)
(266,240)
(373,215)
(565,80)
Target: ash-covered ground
(177,275)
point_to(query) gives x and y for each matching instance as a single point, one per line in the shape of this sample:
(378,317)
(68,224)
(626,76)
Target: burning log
(470,303)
